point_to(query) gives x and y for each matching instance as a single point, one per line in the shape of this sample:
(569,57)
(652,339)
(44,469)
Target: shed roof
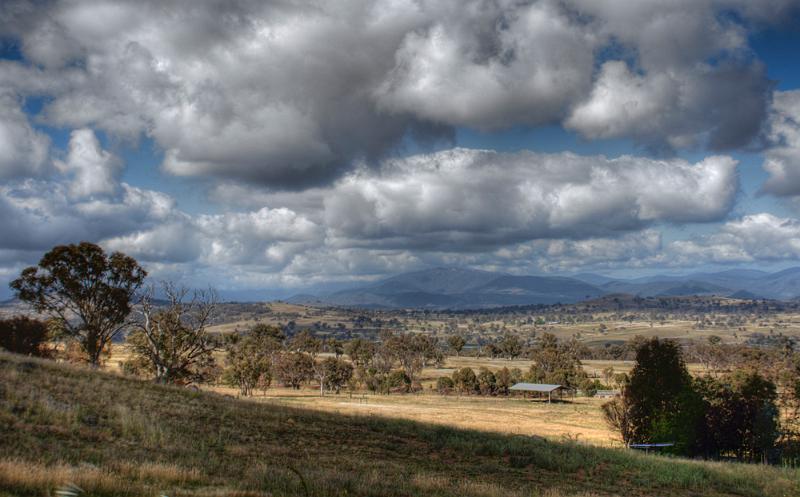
(535,387)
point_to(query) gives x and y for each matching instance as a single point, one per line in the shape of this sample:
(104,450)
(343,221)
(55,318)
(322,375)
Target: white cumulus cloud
(466,199)
(24,151)
(90,169)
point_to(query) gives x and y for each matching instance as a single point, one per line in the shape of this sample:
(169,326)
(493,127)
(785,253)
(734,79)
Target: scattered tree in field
(413,351)
(608,374)
(334,346)
(360,351)
(457,343)
(294,368)
(556,363)
(246,368)
(487,383)
(510,346)
(663,407)
(504,381)
(621,380)
(741,417)
(333,374)
(172,342)
(250,358)
(376,373)
(710,354)
(305,342)
(590,386)
(23,335)
(271,336)
(492,350)
(87,293)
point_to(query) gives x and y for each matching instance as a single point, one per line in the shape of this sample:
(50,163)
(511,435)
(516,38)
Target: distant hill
(461,288)
(670,288)
(456,288)
(593,279)
(740,283)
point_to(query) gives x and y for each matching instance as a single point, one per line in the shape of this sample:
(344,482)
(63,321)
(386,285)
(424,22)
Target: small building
(607,394)
(540,388)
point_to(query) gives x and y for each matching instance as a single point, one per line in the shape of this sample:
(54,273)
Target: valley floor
(576,419)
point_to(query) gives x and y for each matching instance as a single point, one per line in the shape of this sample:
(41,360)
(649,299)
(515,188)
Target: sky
(270,148)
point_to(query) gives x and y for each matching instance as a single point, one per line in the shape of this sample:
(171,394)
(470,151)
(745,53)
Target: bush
(504,381)
(398,381)
(590,387)
(293,369)
(336,373)
(26,336)
(444,385)
(465,381)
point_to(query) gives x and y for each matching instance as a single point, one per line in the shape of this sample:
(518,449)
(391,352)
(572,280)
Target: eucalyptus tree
(87,293)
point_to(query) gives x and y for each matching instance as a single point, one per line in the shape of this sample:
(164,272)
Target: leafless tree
(172,341)
(617,415)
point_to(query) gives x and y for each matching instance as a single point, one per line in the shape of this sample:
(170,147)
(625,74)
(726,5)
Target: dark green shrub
(26,336)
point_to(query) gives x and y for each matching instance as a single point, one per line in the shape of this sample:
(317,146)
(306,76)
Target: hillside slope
(117,436)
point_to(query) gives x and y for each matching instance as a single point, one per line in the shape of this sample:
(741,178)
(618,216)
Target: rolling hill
(460,288)
(116,436)
(456,288)
(740,283)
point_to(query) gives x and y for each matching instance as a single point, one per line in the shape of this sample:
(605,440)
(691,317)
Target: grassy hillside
(116,436)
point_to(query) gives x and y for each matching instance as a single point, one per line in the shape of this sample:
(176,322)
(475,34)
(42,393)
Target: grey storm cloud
(782,156)
(39,214)
(293,94)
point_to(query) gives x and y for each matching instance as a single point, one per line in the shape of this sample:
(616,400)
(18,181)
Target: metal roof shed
(539,388)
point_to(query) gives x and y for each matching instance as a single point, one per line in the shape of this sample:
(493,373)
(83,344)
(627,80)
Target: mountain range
(461,288)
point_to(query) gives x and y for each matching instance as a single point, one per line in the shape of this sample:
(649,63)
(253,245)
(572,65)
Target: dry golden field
(576,418)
